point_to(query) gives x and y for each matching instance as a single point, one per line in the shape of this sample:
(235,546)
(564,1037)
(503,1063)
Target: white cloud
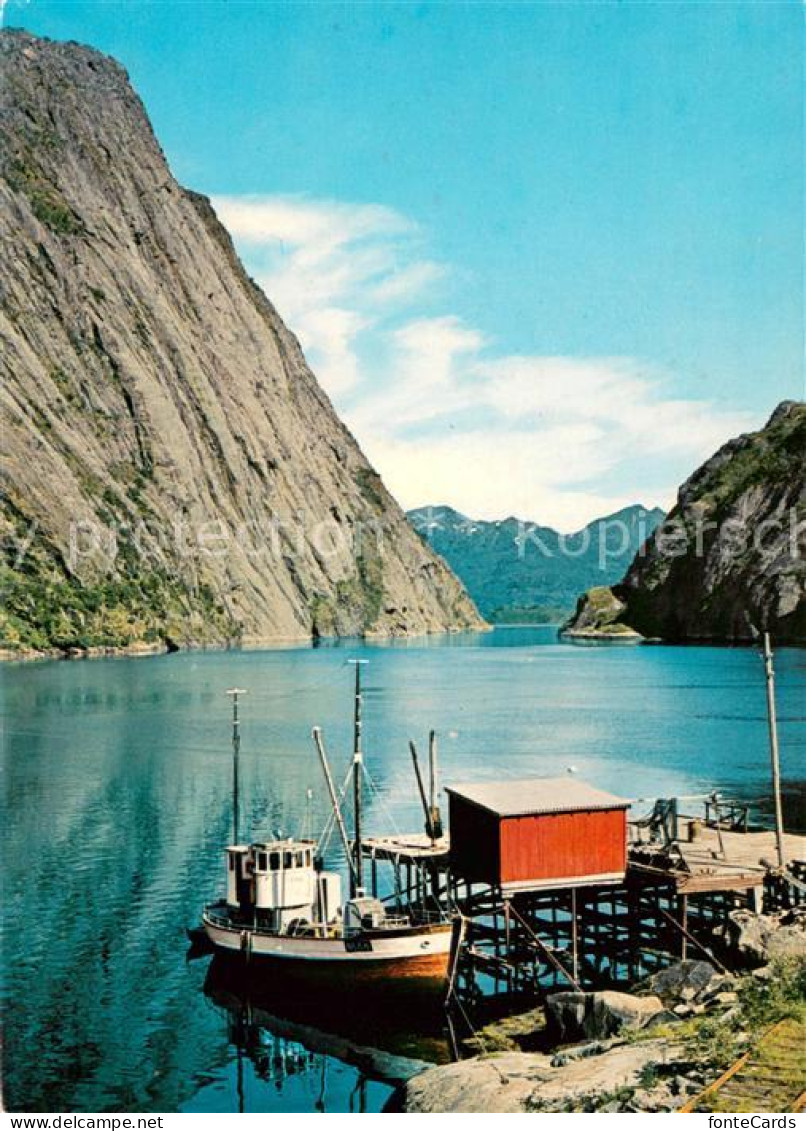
(494,477)
(422,377)
(332,270)
(408,282)
(316,226)
(528,436)
(444,415)
(331,334)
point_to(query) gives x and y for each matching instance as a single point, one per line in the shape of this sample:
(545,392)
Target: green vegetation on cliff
(43,608)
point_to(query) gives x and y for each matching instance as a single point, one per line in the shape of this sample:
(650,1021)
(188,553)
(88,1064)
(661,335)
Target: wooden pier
(682,875)
(713,858)
(417,869)
(674,902)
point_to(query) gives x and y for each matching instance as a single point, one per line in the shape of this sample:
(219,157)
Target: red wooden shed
(539,833)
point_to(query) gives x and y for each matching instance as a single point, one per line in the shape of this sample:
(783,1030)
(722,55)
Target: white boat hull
(415,952)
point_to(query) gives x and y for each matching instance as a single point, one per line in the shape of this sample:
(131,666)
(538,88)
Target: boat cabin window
(288,859)
(274,861)
(231,861)
(262,861)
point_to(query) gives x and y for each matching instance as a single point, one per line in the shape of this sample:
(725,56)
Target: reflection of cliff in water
(283,1031)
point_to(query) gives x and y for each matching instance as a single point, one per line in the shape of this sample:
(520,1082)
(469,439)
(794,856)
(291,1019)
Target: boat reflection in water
(286,1034)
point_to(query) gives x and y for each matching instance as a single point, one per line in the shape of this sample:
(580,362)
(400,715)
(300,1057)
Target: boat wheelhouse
(277,886)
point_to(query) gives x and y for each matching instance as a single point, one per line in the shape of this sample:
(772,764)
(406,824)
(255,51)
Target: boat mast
(334,800)
(772,721)
(421,788)
(236,750)
(435,815)
(357,874)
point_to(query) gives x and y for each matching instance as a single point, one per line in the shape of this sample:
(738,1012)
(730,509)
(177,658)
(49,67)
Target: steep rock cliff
(173,473)
(730,559)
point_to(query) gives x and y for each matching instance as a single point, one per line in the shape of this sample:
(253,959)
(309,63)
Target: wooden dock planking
(407,847)
(717,860)
(735,857)
(750,849)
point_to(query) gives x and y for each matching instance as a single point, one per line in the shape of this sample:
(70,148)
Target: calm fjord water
(116,800)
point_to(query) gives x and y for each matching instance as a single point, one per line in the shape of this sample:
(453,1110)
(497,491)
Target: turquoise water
(116,805)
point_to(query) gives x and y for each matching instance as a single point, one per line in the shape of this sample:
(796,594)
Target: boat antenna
(234,692)
(772,721)
(358,781)
(307,827)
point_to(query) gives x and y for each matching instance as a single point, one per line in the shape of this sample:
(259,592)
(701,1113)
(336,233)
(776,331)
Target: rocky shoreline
(651,1051)
(162,648)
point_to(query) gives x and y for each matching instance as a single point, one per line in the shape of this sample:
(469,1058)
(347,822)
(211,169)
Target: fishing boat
(285,911)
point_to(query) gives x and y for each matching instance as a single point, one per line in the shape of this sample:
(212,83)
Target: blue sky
(544,257)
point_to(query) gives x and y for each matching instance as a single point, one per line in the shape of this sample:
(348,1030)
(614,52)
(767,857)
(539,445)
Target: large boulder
(760,938)
(576,1016)
(685,981)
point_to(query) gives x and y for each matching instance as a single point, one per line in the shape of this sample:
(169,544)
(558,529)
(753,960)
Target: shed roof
(537,795)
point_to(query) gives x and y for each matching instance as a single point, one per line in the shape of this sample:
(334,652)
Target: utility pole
(234,692)
(769,672)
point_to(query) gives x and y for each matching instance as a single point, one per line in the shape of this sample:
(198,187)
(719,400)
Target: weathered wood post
(772,721)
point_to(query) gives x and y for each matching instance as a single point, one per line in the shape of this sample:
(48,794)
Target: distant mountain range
(519,572)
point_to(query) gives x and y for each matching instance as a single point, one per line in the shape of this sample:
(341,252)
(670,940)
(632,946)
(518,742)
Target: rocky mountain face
(173,472)
(518,571)
(730,559)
